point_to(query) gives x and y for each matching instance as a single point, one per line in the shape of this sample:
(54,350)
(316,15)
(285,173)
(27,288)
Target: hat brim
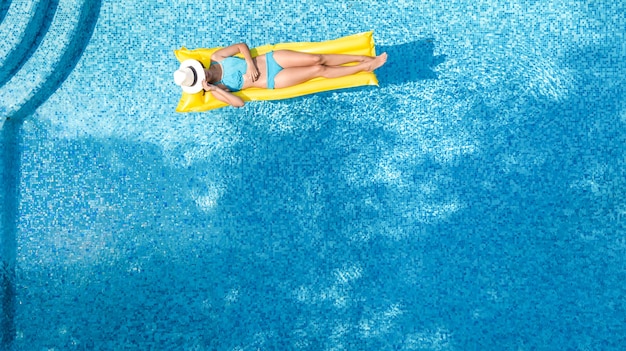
(201,75)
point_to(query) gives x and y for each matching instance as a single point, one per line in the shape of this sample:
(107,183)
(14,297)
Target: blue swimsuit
(272,69)
(233,69)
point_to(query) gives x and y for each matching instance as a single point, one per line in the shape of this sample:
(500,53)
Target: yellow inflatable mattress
(358,44)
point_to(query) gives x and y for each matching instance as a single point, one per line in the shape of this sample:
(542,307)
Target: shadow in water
(409,62)
(10,137)
(309,245)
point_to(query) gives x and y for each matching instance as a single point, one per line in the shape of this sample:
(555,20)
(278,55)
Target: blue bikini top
(233,69)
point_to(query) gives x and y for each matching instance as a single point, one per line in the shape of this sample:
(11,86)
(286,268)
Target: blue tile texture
(475,200)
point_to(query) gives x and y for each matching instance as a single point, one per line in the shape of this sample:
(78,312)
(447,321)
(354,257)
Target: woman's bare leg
(295,75)
(288,58)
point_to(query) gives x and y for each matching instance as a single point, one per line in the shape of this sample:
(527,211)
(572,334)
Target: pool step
(38,67)
(4,8)
(15,54)
(13,28)
(53,60)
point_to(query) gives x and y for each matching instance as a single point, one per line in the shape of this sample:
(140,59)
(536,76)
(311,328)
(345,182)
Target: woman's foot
(377,62)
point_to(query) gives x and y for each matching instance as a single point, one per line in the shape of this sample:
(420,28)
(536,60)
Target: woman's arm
(243,49)
(223,95)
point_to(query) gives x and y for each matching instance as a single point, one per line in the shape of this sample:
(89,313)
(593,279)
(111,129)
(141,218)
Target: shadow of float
(410,62)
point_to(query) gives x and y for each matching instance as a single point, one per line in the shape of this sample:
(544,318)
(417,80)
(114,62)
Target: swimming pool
(473,201)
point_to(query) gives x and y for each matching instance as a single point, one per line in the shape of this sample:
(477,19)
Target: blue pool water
(475,200)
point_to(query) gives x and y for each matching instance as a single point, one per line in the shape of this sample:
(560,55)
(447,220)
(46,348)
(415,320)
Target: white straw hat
(189,76)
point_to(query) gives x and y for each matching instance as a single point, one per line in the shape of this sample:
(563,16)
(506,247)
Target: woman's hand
(208,87)
(223,95)
(253,71)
